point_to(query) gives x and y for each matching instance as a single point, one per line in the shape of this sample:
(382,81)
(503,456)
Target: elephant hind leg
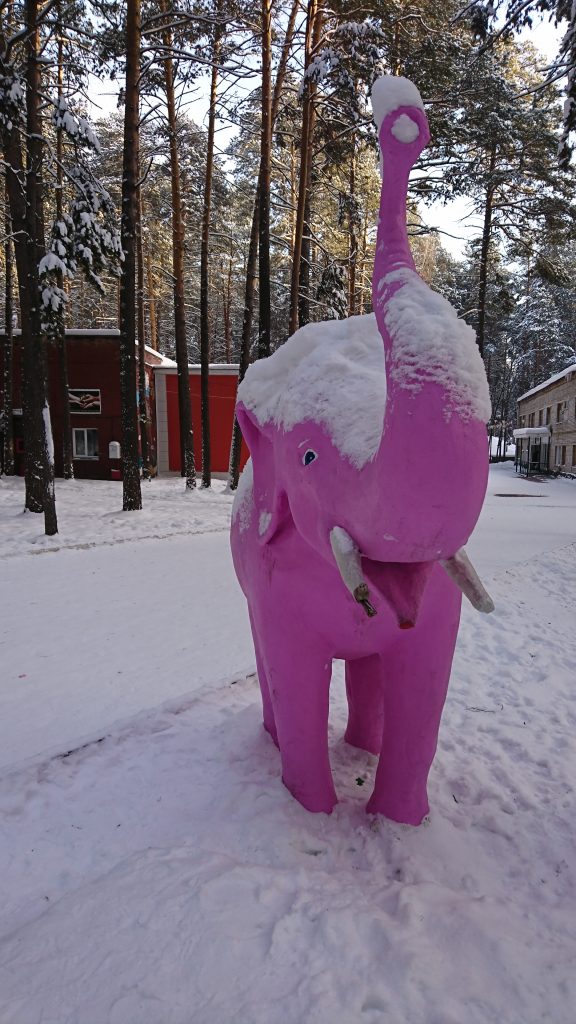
(365,693)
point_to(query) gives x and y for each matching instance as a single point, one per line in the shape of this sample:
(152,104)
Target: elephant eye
(309,457)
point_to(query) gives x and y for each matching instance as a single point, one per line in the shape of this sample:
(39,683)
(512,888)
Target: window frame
(85,431)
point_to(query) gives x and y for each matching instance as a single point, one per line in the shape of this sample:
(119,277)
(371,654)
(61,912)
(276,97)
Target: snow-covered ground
(153,870)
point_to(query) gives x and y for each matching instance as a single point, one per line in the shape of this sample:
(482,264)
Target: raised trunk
(132,496)
(436,400)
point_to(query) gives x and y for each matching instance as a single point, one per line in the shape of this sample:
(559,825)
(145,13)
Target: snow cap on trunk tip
(389,92)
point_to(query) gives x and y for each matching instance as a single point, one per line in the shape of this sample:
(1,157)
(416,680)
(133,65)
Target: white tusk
(350,567)
(464,575)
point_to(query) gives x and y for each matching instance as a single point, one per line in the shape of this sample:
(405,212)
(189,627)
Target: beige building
(546,432)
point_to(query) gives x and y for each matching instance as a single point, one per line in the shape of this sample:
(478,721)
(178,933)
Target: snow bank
(331,373)
(164,874)
(431,345)
(390,92)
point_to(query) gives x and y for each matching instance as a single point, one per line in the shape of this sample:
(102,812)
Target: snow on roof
(92,332)
(330,372)
(80,332)
(430,344)
(215,368)
(390,92)
(551,380)
(164,360)
(532,432)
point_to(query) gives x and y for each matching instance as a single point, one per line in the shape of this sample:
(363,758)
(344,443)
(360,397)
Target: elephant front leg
(417,675)
(267,709)
(299,673)
(365,693)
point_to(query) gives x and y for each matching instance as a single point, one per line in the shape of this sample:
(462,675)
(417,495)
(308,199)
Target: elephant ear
(272,509)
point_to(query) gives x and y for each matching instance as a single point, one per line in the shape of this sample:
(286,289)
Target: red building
(94,386)
(223,385)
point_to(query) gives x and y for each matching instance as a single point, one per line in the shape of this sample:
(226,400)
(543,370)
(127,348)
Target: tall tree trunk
(67,450)
(8,353)
(187,464)
(132,495)
(264,185)
(142,401)
(484,251)
(244,362)
(250,285)
(227,309)
(204,252)
(363,290)
(151,301)
(28,227)
(313,35)
(305,262)
(352,238)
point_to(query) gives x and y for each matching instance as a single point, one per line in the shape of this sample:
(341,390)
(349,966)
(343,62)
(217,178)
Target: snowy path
(110,631)
(67,674)
(163,875)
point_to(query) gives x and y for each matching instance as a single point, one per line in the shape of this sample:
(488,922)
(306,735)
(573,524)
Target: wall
(223,387)
(562,392)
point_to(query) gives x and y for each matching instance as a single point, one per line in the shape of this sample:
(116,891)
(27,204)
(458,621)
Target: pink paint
(414,503)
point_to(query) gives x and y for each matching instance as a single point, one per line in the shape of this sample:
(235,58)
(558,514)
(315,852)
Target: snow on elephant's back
(331,373)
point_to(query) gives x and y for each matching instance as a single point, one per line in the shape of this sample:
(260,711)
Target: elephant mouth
(401,584)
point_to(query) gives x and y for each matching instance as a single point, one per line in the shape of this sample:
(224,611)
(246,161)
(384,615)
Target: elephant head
(368,435)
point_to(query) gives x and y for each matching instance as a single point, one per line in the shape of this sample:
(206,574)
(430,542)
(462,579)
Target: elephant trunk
(437,400)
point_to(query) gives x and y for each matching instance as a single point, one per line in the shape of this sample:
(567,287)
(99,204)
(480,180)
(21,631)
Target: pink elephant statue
(368,471)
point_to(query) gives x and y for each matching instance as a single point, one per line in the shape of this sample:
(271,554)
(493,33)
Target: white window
(85,442)
(558,455)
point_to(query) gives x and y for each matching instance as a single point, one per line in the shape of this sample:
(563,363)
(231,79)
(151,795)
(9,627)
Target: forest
(213,238)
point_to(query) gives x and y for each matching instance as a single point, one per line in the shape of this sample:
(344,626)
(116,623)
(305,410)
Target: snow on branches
(12,98)
(354,53)
(87,237)
(77,128)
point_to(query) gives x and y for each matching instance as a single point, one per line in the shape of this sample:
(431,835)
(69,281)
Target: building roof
(215,368)
(106,332)
(551,380)
(532,432)
(162,359)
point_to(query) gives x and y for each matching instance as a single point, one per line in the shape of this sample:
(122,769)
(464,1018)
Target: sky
(455,221)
